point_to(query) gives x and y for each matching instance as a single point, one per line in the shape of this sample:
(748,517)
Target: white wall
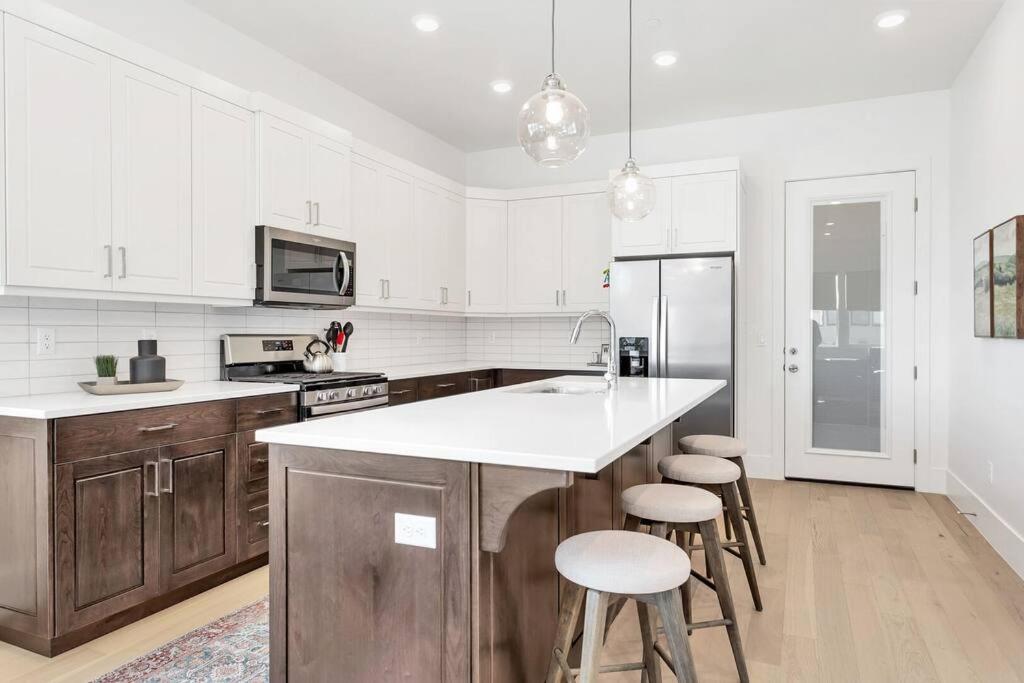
(987,375)
(895,133)
(181,31)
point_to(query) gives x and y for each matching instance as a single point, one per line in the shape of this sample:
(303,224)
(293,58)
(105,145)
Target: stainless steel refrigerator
(674,318)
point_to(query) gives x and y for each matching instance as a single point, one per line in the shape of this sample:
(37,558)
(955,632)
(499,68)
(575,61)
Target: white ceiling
(736,56)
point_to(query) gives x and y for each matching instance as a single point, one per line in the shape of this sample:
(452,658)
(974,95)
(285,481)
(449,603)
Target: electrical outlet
(762,340)
(991,472)
(46,341)
(416,530)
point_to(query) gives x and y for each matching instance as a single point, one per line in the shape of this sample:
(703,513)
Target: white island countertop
(50,406)
(507,426)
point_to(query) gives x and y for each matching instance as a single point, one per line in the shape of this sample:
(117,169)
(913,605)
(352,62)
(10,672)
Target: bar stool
(602,565)
(719,476)
(688,510)
(733,450)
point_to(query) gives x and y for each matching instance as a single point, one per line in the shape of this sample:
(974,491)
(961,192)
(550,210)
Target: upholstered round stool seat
(699,469)
(713,444)
(624,562)
(671,503)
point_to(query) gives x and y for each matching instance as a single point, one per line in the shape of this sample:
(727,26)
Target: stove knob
(351,393)
(320,396)
(377,389)
(334,395)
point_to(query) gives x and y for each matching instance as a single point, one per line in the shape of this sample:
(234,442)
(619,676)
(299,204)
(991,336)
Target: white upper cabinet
(586,233)
(284,166)
(371,240)
(430,232)
(486,256)
(329,169)
(535,255)
(704,213)
(455,253)
(652,234)
(58,160)
(401,286)
(223,198)
(151,123)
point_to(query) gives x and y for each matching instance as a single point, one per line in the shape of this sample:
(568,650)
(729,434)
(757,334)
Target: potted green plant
(106,369)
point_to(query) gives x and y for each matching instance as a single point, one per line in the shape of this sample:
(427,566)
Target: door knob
(792,350)
(793,368)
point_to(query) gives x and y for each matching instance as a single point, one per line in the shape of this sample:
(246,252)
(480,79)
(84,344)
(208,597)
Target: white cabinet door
(486,256)
(455,252)
(223,198)
(396,218)
(535,255)
(58,160)
(704,213)
(430,233)
(151,124)
(329,187)
(586,236)
(370,233)
(650,236)
(284,162)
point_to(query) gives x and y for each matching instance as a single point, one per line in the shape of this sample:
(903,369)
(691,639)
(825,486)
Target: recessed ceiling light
(426,23)
(835,202)
(828,234)
(891,19)
(501,86)
(665,58)
(830,224)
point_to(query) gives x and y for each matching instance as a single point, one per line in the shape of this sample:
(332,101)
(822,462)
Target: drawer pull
(259,460)
(270,411)
(159,428)
(446,386)
(401,391)
(264,523)
(155,490)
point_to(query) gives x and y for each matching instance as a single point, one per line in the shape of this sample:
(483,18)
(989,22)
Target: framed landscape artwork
(983,285)
(998,285)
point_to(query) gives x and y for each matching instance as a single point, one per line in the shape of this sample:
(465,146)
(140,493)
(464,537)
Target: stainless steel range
(278,358)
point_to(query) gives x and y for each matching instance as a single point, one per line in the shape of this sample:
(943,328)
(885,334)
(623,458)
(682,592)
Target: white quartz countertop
(505,426)
(428,369)
(49,406)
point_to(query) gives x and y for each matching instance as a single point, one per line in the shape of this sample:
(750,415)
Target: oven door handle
(347,407)
(342,272)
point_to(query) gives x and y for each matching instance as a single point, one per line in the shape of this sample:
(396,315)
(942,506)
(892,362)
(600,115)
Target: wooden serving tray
(129,388)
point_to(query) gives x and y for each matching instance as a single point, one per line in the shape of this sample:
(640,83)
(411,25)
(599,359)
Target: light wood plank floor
(862,584)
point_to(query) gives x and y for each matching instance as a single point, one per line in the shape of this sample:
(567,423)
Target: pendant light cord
(629,96)
(553,36)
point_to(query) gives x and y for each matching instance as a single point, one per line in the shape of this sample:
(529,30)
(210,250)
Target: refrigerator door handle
(655,350)
(663,339)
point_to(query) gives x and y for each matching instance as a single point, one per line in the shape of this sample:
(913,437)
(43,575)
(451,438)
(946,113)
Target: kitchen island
(417,542)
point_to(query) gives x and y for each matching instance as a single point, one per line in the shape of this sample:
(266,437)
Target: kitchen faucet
(611,374)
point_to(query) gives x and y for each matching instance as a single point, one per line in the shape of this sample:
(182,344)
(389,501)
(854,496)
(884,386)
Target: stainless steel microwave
(298,270)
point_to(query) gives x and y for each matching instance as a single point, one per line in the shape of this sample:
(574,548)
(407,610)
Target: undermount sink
(568,388)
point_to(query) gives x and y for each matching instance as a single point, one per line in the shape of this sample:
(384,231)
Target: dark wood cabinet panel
(88,436)
(107,537)
(438,386)
(403,391)
(197,515)
(256,457)
(252,525)
(507,377)
(260,412)
(481,380)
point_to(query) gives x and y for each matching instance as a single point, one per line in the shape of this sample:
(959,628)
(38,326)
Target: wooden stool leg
(716,571)
(568,615)
(731,498)
(670,608)
(748,502)
(684,539)
(593,636)
(649,635)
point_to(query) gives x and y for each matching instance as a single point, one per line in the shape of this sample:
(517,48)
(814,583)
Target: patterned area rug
(234,648)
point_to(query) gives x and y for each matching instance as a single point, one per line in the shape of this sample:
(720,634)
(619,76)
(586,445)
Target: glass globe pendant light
(553,125)
(631,193)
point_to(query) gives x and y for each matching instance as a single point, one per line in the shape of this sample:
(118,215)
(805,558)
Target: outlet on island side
(415,530)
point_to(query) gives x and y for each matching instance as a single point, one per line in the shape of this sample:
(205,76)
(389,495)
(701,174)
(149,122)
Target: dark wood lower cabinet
(107,536)
(97,540)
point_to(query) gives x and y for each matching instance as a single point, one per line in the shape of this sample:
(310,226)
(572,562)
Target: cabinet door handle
(159,428)
(155,479)
(265,523)
(124,263)
(316,213)
(556,297)
(166,485)
(382,288)
(446,386)
(387,284)
(259,460)
(400,392)
(110,260)
(563,297)
(270,411)
(309,212)
(469,298)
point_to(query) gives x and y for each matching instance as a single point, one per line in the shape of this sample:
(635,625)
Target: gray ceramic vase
(147,366)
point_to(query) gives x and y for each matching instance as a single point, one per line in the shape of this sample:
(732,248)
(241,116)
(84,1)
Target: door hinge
(915,287)
(915,204)
(915,372)
(915,456)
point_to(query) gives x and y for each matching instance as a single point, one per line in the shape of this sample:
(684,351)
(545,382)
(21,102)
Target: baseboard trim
(1006,540)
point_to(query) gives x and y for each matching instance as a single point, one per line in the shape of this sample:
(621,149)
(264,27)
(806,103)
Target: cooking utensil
(348,329)
(317,361)
(333,332)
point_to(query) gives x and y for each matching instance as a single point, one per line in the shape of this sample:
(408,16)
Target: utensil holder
(340,361)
